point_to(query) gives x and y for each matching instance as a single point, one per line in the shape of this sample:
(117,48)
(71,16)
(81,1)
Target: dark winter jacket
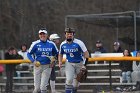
(118,51)
(100,50)
(11,66)
(126,66)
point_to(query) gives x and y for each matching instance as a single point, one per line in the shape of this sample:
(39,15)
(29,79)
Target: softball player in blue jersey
(41,49)
(75,50)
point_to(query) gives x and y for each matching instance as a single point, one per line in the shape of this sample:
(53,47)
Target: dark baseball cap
(98,41)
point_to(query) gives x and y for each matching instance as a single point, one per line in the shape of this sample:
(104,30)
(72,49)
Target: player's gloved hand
(37,63)
(82,75)
(83,67)
(53,59)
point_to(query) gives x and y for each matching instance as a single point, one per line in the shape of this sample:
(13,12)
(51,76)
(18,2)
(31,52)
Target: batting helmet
(54,36)
(69,30)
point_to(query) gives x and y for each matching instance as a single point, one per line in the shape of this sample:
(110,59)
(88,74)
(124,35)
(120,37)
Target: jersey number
(71,55)
(45,53)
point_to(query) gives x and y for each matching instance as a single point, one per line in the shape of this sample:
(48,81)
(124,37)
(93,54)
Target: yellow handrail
(90,60)
(14,61)
(114,59)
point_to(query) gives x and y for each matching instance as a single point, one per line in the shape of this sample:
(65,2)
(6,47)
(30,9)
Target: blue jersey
(74,51)
(39,51)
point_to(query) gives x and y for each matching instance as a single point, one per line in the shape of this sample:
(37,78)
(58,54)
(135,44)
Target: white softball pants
(71,70)
(41,78)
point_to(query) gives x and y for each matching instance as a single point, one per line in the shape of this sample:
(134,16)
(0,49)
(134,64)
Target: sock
(74,90)
(43,91)
(68,90)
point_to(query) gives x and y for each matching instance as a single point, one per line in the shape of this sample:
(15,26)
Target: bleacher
(98,77)
(98,80)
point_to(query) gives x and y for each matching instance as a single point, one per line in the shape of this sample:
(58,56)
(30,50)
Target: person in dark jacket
(10,68)
(99,49)
(126,67)
(117,48)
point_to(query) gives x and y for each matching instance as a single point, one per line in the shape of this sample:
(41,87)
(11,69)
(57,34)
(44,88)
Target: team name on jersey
(70,50)
(44,49)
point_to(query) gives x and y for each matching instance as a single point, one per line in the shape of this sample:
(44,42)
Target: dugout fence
(108,27)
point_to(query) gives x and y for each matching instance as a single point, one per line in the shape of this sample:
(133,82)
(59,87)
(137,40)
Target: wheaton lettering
(70,50)
(44,49)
